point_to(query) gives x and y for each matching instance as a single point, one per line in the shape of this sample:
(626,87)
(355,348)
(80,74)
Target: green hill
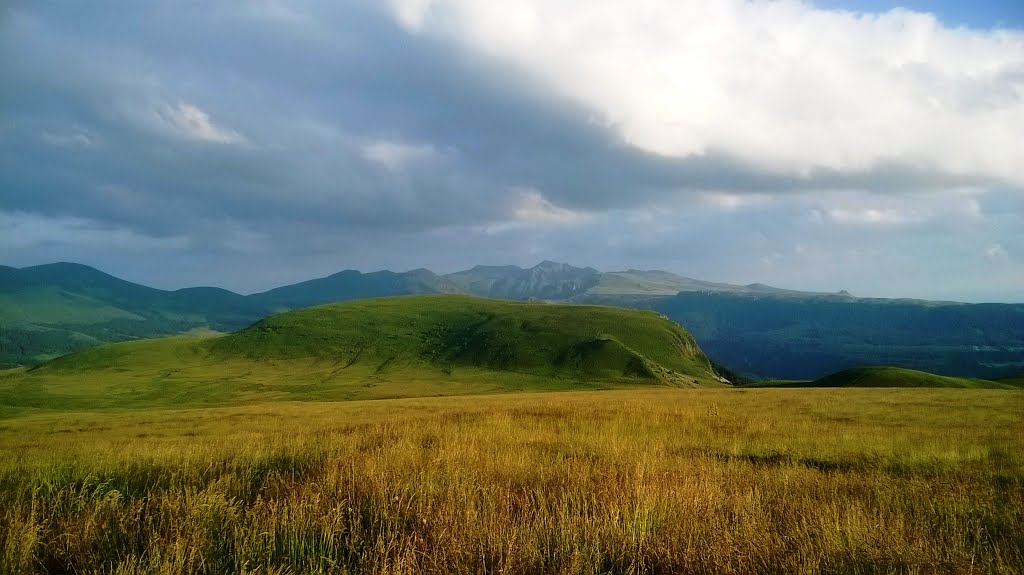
(53,309)
(386,347)
(49,310)
(899,377)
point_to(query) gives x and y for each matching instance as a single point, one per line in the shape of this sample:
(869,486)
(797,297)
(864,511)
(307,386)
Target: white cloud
(412,13)
(396,156)
(870,216)
(781,85)
(72,137)
(730,202)
(949,208)
(529,209)
(997,252)
(192,122)
(533,208)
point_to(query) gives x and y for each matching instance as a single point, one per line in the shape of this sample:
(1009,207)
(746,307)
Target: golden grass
(658,481)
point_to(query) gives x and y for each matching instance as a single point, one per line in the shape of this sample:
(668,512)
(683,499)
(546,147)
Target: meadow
(654,480)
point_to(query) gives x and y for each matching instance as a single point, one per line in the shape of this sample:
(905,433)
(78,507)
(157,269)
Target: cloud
(951,210)
(396,156)
(191,122)
(257,143)
(997,252)
(533,208)
(25,231)
(783,86)
(72,137)
(870,216)
(412,13)
(730,201)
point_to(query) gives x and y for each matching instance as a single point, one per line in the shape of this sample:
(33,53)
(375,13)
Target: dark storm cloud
(300,127)
(305,92)
(316,136)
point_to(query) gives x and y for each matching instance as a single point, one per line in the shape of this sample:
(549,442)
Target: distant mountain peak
(548,265)
(65,267)
(345,273)
(548,280)
(62,264)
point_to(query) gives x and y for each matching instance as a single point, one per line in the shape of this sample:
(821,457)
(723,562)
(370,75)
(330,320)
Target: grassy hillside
(51,305)
(899,377)
(49,310)
(451,331)
(386,347)
(54,309)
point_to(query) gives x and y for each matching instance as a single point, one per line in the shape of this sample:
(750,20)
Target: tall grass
(710,481)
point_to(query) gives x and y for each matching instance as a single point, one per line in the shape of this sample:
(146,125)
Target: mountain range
(766,332)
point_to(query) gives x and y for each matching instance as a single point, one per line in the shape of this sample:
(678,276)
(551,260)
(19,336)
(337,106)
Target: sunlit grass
(640,481)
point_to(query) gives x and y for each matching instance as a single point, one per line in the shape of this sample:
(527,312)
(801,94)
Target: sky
(876,147)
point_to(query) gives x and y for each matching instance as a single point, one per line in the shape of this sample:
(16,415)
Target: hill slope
(899,377)
(386,347)
(448,331)
(49,310)
(59,308)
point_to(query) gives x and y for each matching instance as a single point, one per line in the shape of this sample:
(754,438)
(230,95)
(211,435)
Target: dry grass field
(634,481)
